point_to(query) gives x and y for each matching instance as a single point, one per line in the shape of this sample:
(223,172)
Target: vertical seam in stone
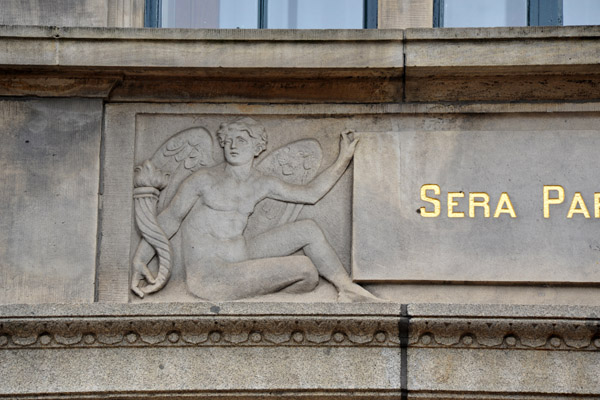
(404,66)
(100,205)
(403,326)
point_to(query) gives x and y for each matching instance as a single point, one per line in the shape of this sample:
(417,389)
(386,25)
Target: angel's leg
(306,235)
(232,281)
(289,238)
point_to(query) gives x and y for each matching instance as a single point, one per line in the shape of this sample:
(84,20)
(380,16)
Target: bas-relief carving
(209,331)
(226,254)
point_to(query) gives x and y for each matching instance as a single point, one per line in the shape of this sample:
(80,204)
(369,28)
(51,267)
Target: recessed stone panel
(49,157)
(401,177)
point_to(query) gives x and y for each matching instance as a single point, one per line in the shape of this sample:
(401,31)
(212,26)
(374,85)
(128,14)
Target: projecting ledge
(502,64)
(318,351)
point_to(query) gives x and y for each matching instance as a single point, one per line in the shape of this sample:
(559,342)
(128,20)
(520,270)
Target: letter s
(436,203)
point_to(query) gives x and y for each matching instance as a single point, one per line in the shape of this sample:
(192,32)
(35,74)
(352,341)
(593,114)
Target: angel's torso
(215,224)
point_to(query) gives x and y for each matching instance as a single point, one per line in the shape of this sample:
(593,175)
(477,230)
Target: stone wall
(90,13)
(511,110)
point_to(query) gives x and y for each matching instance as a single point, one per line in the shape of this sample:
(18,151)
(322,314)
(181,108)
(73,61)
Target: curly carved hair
(254,129)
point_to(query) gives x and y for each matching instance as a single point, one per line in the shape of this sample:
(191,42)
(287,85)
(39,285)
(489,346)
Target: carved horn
(148,182)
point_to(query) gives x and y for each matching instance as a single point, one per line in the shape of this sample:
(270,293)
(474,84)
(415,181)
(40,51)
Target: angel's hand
(347,145)
(140,273)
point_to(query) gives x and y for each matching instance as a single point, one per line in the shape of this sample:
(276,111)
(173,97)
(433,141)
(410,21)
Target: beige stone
(402,14)
(49,154)
(195,211)
(496,64)
(205,65)
(155,123)
(460,351)
(397,236)
(258,350)
(88,13)
(204,350)
(370,66)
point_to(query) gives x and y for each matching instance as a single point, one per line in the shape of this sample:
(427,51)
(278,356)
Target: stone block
(55,13)
(49,156)
(85,13)
(402,14)
(502,352)
(200,351)
(398,235)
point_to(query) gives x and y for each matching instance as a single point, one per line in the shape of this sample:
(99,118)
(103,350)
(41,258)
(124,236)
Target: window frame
(153,17)
(539,13)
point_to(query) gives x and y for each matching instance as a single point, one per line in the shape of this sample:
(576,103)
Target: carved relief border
(460,333)
(510,334)
(198,331)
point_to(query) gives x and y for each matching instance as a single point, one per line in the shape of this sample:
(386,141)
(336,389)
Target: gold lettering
(552,200)
(452,204)
(596,205)
(481,203)
(582,209)
(505,200)
(436,203)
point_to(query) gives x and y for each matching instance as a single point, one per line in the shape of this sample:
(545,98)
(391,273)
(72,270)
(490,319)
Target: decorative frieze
(199,331)
(505,333)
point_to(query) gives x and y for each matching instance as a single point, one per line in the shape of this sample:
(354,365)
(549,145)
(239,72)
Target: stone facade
(474,305)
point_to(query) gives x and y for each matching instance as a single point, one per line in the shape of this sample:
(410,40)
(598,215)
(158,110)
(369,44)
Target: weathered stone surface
(200,350)
(507,372)
(181,49)
(231,224)
(55,13)
(496,64)
(155,123)
(502,352)
(87,13)
(393,239)
(203,65)
(369,66)
(49,157)
(402,14)
(254,350)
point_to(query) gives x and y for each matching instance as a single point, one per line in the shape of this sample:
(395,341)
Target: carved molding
(199,331)
(505,333)
(295,331)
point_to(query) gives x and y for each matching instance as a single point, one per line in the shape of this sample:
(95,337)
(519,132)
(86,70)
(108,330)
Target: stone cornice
(262,350)
(504,327)
(261,324)
(505,333)
(199,325)
(341,66)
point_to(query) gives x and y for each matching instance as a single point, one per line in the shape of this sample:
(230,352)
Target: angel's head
(242,140)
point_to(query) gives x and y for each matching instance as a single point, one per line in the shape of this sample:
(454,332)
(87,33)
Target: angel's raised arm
(320,185)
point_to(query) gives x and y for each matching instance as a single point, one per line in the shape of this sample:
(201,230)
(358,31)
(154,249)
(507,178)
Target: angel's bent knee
(309,276)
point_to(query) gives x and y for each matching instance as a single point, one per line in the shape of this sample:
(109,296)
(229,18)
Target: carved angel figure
(210,205)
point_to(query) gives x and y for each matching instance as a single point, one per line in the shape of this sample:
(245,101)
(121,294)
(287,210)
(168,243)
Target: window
(488,13)
(253,14)
(581,12)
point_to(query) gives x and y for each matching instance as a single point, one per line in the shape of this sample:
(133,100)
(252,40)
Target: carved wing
(297,163)
(155,183)
(180,156)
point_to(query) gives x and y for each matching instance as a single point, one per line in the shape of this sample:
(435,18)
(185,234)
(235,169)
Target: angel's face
(238,147)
